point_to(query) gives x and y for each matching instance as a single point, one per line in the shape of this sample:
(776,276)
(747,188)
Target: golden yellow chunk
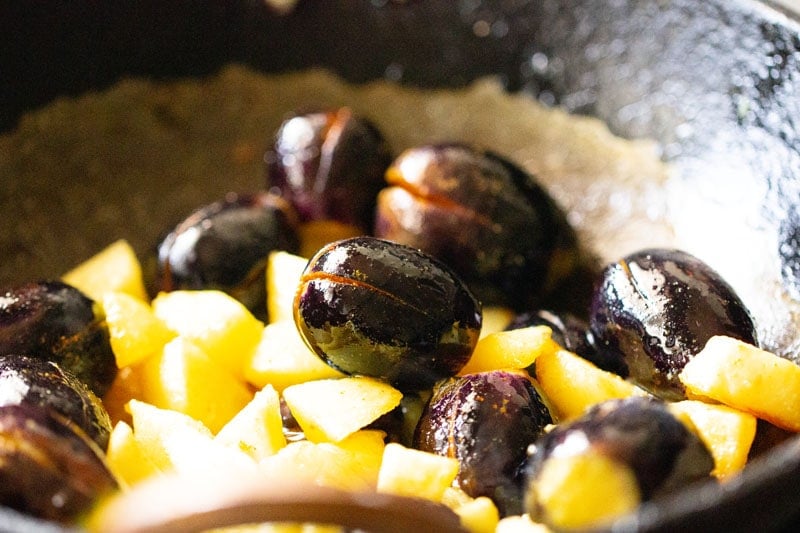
(223,327)
(317,233)
(520,524)
(283,278)
(514,349)
(479,515)
(115,268)
(585,490)
(328,410)
(257,429)
(495,318)
(571,384)
(126,386)
(747,378)
(350,464)
(135,330)
(727,432)
(183,378)
(282,358)
(125,457)
(177,442)
(415,473)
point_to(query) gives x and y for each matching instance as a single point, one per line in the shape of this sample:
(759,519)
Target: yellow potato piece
(415,473)
(479,515)
(571,384)
(183,378)
(223,327)
(350,464)
(283,278)
(585,490)
(126,386)
(727,432)
(747,378)
(514,349)
(125,457)
(328,410)
(115,268)
(520,524)
(317,233)
(282,359)
(495,318)
(257,429)
(135,330)
(174,441)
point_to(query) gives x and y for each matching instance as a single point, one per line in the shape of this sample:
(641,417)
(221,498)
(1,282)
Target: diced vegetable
(748,378)
(329,410)
(135,330)
(409,472)
(513,349)
(257,429)
(283,278)
(114,269)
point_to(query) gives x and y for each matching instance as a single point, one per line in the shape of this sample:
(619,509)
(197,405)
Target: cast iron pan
(716,82)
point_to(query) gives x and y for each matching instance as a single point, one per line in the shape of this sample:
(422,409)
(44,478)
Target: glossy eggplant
(56,322)
(640,437)
(373,307)
(329,165)
(483,216)
(225,245)
(49,469)
(656,308)
(29,380)
(486,420)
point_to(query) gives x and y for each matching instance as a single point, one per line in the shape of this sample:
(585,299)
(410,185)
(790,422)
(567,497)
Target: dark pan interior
(716,82)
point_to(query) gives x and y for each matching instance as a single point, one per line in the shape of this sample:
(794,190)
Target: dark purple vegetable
(31,381)
(373,307)
(53,321)
(483,216)
(49,469)
(638,433)
(486,421)
(654,309)
(225,245)
(329,165)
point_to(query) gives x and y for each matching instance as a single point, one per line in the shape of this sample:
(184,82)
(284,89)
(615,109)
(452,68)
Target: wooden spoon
(173,503)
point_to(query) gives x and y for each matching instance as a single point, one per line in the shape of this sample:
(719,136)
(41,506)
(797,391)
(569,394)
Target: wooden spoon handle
(185,503)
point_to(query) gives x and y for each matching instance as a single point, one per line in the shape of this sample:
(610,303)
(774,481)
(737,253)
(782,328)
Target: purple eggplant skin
(640,432)
(329,165)
(486,420)
(653,310)
(53,321)
(28,380)
(225,245)
(377,308)
(48,468)
(482,215)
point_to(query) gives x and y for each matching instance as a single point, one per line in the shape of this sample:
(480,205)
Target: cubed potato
(513,349)
(126,386)
(351,464)
(282,359)
(135,331)
(283,278)
(747,378)
(183,378)
(520,524)
(727,432)
(328,410)
(495,318)
(113,269)
(571,384)
(257,429)
(125,457)
(224,328)
(479,515)
(317,233)
(415,473)
(173,441)
(585,490)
